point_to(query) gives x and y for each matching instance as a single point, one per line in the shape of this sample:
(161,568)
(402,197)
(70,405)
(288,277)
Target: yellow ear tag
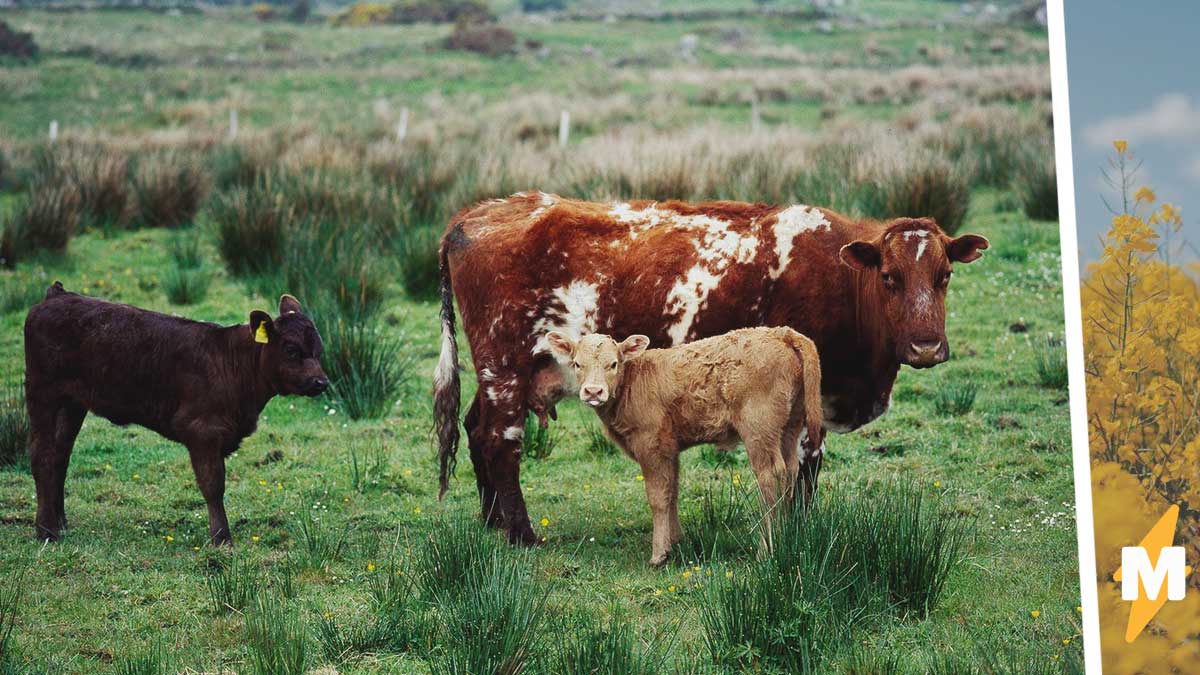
(260,335)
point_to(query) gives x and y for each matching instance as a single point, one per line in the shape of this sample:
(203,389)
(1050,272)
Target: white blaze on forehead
(579,300)
(789,223)
(922,237)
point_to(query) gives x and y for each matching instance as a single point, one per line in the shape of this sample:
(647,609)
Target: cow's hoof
(658,560)
(524,537)
(47,536)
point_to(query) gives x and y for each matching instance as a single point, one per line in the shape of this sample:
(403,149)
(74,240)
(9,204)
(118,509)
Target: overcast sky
(1134,73)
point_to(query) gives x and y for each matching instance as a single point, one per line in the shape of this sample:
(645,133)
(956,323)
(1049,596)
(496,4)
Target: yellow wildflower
(545,522)
(1035,614)
(370,567)
(1121,146)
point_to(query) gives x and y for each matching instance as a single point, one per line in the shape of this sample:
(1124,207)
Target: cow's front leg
(208,462)
(505,469)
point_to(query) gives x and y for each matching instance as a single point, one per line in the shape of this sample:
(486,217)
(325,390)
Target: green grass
(344,556)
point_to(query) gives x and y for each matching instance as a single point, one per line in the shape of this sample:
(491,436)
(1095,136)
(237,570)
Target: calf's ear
(966,248)
(262,328)
(289,305)
(860,255)
(633,346)
(560,345)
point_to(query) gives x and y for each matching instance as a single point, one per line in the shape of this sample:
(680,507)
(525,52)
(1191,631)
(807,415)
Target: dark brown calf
(199,384)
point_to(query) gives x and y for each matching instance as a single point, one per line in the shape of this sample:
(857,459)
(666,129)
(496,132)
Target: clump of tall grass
(251,227)
(19,293)
(169,190)
(233,583)
(538,442)
(105,194)
(43,220)
(369,467)
(365,364)
(390,625)
(277,638)
(1051,363)
(916,184)
(724,526)
(151,662)
(417,252)
(459,551)
(14,427)
(491,625)
(591,645)
(953,399)
(10,605)
(1036,185)
(598,442)
(831,568)
(317,544)
(186,286)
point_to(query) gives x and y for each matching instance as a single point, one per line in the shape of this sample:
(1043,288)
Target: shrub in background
(487,39)
(18,294)
(441,11)
(169,190)
(916,185)
(251,226)
(185,286)
(1036,184)
(16,45)
(44,220)
(417,252)
(106,197)
(533,6)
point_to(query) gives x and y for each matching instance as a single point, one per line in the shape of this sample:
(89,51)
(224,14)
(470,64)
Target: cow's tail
(446,382)
(810,368)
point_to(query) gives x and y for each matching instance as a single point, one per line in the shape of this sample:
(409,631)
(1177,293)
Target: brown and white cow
(761,386)
(870,294)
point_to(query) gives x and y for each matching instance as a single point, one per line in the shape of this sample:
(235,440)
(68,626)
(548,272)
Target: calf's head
(291,349)
(907,269)
(598,362)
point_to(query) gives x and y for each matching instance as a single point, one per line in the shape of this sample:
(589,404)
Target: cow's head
(291,349)
(908,267)
(598,361)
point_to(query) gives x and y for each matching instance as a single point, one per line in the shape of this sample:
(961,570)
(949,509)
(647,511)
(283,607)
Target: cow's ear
(262,328)
(966,248)
(633,346)
(289,305)
(560,345)
(861,255)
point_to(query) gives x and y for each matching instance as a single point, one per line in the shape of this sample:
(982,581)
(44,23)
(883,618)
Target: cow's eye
(612,366)
(945,280)
(890,280)
(293,352)
(575,365)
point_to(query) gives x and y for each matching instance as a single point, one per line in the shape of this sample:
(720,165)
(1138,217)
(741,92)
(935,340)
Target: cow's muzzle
(593,396)
(926,353)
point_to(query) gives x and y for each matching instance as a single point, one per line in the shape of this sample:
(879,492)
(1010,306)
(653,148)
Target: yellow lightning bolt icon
(1144,609)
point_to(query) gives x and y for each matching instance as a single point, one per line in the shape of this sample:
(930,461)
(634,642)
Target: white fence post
(233,124)
(402,125)
(755,118)
(53,130)
(564,127)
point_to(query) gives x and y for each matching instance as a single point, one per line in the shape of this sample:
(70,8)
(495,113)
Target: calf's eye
(612,366)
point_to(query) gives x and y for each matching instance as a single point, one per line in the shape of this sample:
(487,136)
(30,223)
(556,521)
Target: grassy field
(983,438)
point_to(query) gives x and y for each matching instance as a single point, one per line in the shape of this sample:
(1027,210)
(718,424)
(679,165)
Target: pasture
(345,562)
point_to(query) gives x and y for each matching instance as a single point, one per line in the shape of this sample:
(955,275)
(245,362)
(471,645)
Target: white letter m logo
(1137,570)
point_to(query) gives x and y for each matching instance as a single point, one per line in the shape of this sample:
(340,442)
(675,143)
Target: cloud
(1172,117)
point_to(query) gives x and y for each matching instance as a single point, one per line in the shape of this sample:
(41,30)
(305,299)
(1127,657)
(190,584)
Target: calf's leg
(661,476)
(53,429)
(208,463)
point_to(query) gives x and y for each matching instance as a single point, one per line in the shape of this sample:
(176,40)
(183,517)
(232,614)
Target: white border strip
(1074,337)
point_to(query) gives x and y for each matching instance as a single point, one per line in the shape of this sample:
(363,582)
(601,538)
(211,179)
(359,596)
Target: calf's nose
(593,395)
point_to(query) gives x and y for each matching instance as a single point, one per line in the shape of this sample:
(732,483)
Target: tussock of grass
(1051,363)
(44,220)
(417,252)
(317,544)
(169,189)
(18,294)
(458,551)
(492,625)
(726,525)
(151,662)
(233,583)
(589,644)
(14,427)
(598,442)
(1036,184)
(10,606)
(277,639)
(955,398)
(366,366)
(833,568)
(391,623)
(539,442)
(917,185)
(186,286)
